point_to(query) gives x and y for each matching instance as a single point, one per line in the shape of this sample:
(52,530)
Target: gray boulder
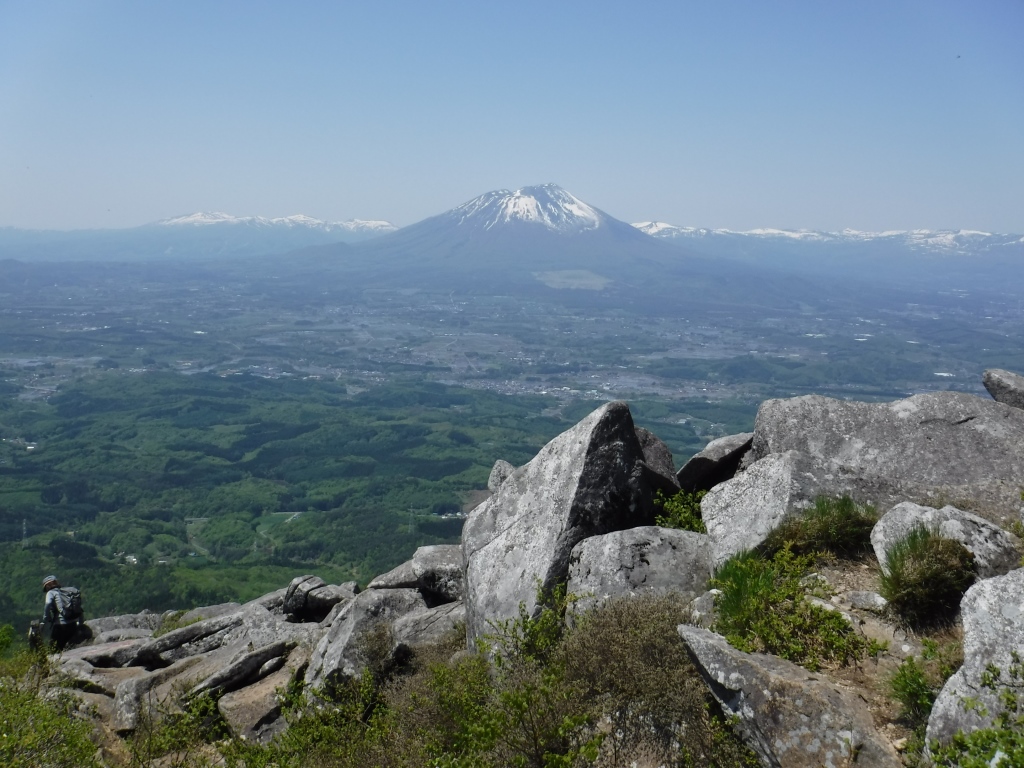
(740,513)
(995,551)
(134,695)
(950,444)
(424,627)
(254,712)
(660,463)
(867,601)
(154,652)
(434,570)
(645,560)
(587,481)
(242,669)
(993,619)
(342,652)
(272,601)
(310,598)
(786,714)
(500,472)
(208,612)
(718,462)
(1005,387)
(144,620)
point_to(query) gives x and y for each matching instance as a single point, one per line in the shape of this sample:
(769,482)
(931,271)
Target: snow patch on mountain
(215,218)
(547,205)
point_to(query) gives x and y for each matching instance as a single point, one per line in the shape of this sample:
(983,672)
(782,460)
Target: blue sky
(871,115)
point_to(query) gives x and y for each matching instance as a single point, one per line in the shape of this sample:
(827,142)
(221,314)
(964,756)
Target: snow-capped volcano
(547,205)
(215,218)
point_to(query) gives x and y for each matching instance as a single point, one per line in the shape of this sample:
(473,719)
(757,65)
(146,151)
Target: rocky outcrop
(435,570)
(254,712)
(949,444)
(993,619)
(346,648)
(1005,387)
(645,560)
(310,598)
(995,551)
(500,472)
(144,621)
(587,481)
(660,463)
(419,628)
(789,716)
(718,462)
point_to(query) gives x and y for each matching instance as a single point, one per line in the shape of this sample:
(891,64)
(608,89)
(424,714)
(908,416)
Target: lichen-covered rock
(718,462)
(341,652)
(965,448)
(434,570)
(740,513)
(993,620)
(789,716)
(995,551)
(422,628)
(1005,387)
(500,472)
(638,561)
(587,481)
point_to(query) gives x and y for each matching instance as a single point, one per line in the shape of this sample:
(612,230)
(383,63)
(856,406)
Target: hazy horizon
(740,116)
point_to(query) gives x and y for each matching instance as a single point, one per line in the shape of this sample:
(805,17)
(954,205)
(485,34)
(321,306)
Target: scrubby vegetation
(916,682)
(838,526)
(925,577)
(681,510)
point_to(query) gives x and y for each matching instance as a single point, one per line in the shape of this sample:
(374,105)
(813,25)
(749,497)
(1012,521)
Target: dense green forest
(159,490)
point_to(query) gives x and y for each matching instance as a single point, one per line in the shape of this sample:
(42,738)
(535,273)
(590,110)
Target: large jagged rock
(995,551)
(660,463)
(718,462)
(272,601)
(500,472)
(587,481)
(310,598)
(435,570)
(740,513)
(993,620)
(134,695)
(145,620)
(242,669)
(966,449)
(638,561)
(254,712)
(341,652)
(421,628)
(789,716)
(208,612)
(1005,387)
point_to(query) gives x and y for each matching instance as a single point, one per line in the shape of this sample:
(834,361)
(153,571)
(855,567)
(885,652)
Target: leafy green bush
(839,526)
(911,688)
(925,577)
(763,608)
(681,510)
(177,735)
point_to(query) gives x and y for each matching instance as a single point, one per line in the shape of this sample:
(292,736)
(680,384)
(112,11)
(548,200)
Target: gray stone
(115,653)
(718,462)
(209,612)
(740,513)
(638,561)
(300,586)
(152,652)
(660,463)
(116,635)
(435,570)
(241,670)
(993,621)
(1005,387)
(340,653)
(310,598)
(254,712)
(425,627)
(144,620)
(702,609)
(500,472)
(789,716)
(867,601)
(587,481)
(967,449)
(995,551)
(272,601)
(134,695)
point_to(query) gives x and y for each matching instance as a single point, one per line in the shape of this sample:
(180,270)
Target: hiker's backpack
(70,605)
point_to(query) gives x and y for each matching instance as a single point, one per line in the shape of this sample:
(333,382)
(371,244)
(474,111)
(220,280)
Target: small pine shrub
(763,608)
(912,689)
(839,526)
(681,511)
(925,578)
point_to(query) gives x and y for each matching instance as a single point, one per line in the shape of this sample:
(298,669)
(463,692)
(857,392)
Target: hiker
(62,611)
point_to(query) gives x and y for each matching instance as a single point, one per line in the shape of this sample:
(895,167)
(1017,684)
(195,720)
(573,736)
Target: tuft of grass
(173,621)
(925,578)
(763,608)
(681,510)
(836,525)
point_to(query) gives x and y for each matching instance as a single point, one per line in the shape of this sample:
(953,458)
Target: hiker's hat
(51,579)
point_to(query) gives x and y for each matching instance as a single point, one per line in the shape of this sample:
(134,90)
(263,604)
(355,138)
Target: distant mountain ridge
(216,218)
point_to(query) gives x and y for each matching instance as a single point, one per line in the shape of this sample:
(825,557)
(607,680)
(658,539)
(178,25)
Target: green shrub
(911,688)
(839,526)
(178,736)
(681,510)
(763,608)
(925,577)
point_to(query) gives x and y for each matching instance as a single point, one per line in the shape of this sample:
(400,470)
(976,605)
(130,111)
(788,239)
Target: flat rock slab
(995,551)
(209,612)
(789,716)
(144,620)
(435,570)
(1005,387)
(966,449)
(718,462)
(422,628)
(340,653)
(639,561)
(254,712)
(993,619)
(587,481)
